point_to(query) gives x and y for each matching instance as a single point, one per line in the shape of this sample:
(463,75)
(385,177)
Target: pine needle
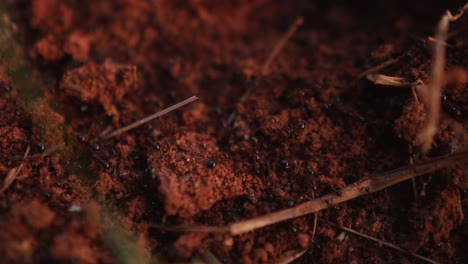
(380,66)
(149,118)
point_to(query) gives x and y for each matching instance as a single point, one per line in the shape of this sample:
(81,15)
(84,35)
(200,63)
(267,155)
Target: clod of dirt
(8,135)
(408,125)
(187,183)
(108,85)
(52,48)
(43,11)
(48,48)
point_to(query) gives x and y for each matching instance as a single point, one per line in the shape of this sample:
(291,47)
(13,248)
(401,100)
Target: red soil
(308,128)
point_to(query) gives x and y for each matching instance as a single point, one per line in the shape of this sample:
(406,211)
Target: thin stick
(359,188)
(432,94)
(314,227)
(281,44)
(48,152)
(417,87)
(149,118)
(264,68)
(13,173)
(380,66)
(388,244)
(388,80)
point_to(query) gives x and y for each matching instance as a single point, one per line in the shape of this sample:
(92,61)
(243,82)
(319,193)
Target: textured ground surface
(309,127)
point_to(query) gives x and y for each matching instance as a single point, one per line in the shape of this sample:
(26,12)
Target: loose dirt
(309,127)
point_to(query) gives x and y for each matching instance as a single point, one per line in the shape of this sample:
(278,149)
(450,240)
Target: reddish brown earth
(309,127)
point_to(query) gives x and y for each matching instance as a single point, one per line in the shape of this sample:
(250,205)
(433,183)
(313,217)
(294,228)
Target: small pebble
(81,138)
(211,164)
(284,164)
(301,125)
(40,147)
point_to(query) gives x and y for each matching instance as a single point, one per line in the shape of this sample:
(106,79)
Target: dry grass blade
(389,80)
(359,188)
(48,152)
(280,45)
(149,118)
(416,87)
(13,173)
(432,93)
(380,66)
(390,245)
(265,66)
(314,227)
(291,256)
(354,190)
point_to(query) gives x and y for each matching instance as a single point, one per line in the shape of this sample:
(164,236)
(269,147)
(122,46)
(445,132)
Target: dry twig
(314,227)
(48,151)
(431,96)
(359,188)
(392,81)
(13,173)
(149,118)
(280,45)
(380,66)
